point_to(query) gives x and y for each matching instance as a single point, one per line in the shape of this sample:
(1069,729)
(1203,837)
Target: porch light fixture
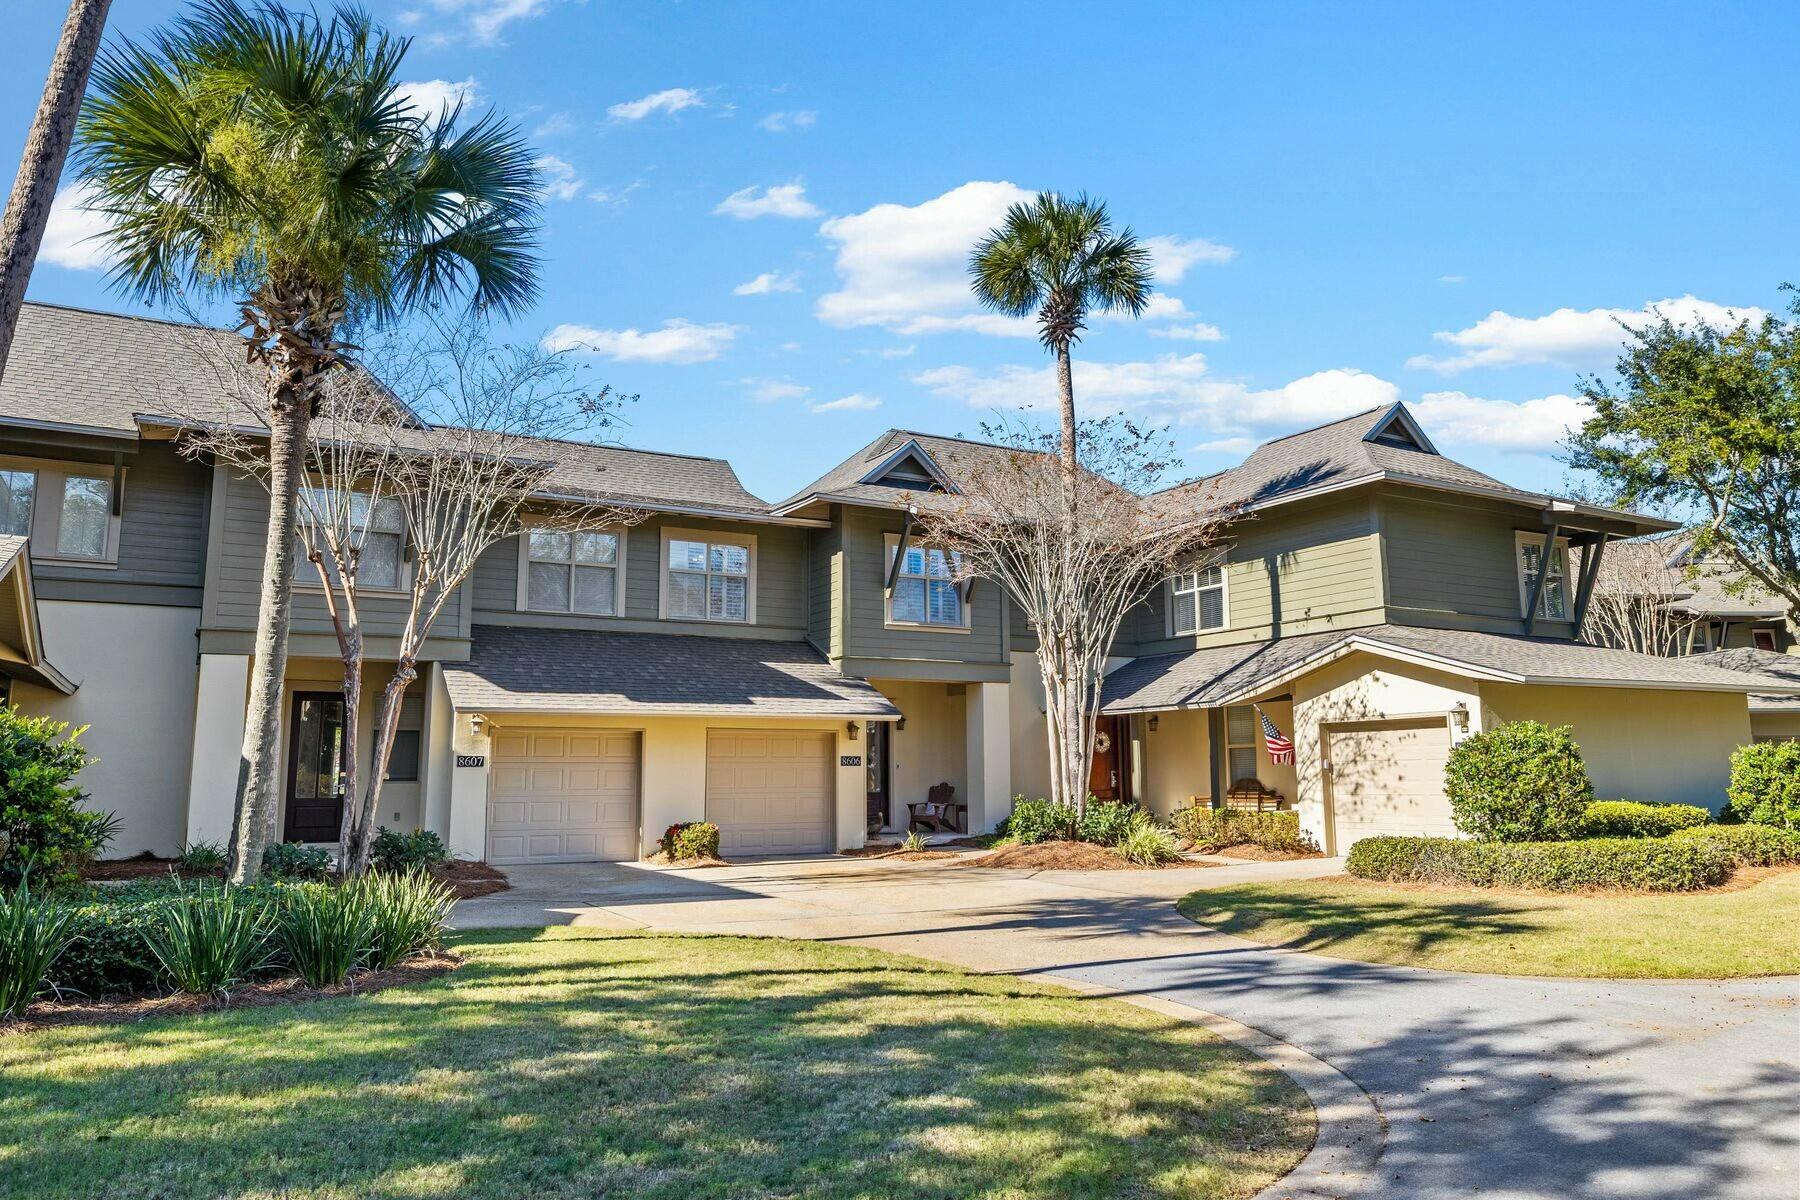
(1152,722)
(477,723)
(900,724)
(850,730)
(1460,714)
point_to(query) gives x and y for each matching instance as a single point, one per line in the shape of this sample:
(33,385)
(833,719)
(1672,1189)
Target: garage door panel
(1388,779)
(771,793)
(561,796)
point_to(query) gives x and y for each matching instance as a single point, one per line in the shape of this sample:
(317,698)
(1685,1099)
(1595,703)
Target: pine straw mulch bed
(469,879)
(1252,852)
(902,854)
(289,989)
(1067,856)
(661,859)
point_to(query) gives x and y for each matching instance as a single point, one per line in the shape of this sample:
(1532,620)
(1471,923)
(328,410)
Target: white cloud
(1580,338)
(1535,426)
(854,402)
(435,98)
(1227,445)
(767,282)
(781,122)
(554,125)
(678,341)
(1453,279)
(768,391)
(669,100)
(904,267)
(780,200)
(558,178)
(1199,331)
(1160,307)
(607,195)
(1170,257)
(479,21)
(71,235)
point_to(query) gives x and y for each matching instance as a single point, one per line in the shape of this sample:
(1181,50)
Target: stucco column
(219,706)
(467,819)
(440,754)
(988,746)
(674,777)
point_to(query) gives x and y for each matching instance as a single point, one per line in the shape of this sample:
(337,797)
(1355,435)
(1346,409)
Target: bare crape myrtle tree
(439,444)
(1077,552)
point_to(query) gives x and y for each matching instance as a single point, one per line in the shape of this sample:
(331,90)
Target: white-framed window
(925,591)
(1197,600)
(381,563)
(574,571)
(1553,605)
(1242,760)
(1763,639)
(66,509)
(708,576)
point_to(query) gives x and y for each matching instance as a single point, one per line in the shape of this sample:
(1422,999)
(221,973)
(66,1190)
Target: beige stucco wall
(932,748)
(136,664)
(673,786)
(1176,760)
(1639,744)
(1029,748)
(1775,725)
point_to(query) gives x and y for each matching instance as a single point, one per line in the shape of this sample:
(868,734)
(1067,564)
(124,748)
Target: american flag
(1281,751)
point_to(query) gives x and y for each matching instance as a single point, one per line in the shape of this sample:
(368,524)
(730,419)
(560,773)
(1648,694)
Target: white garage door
(563,795)
(770,792)
(1387,777)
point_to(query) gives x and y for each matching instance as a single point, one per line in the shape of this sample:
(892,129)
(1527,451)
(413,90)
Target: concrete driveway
(1491,1086)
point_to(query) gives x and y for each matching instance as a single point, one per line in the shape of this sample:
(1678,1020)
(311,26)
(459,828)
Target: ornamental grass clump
(209,939)
(33,933)
(1146,843)
(1518,782)
(407,913)
(325,932)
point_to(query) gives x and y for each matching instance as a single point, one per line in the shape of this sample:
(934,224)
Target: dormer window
(1553,604)
(926,591)
(1197,601)
(1397,429)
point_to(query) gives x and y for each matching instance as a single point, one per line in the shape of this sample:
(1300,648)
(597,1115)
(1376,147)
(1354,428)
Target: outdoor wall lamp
(850,729)
(900,724)
(1460,714)
(477,723)
(1152,722)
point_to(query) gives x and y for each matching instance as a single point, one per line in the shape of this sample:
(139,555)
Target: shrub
(1106,822)
(1146,842)
(1520,782)
(109,954)
(1765,784)
(1748,845)
(211,938)
(200,856)
(296,860)
(395,851)
(325,932)
(691,839)
(1672,864)
(33,933)
(1626,818)
(1038,821)
(43,827)
(1211,829)
(406,914)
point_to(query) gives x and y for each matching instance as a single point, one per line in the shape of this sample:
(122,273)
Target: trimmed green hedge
(1749,845)
(691,839)
(1630,819)
(1765,783)
(1210,829)
(1671,864)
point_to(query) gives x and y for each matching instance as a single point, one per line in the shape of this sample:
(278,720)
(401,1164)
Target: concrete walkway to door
(1500,1087)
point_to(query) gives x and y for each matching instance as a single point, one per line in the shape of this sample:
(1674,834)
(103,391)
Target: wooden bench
(1249,795)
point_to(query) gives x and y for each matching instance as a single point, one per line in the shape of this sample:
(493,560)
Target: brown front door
(1107,779)
(876,762)
(315,799)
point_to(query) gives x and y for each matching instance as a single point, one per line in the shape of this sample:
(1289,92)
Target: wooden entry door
(876,763)
(315,794)
(1107,779)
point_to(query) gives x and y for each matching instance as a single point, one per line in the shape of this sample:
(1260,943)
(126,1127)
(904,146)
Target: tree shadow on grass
(577,1064)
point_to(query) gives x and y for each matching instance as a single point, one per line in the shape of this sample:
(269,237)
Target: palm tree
(40,167)
(264,155)
(1060,260)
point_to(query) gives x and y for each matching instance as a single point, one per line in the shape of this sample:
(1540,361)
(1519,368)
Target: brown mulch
(142,866)
(661,859)
(896,852)
(1255,853)
(422,968)
(1066,856)
(469,879)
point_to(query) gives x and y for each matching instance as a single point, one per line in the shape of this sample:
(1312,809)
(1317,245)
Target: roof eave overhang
(673,710)
(1549,505)
(39,669)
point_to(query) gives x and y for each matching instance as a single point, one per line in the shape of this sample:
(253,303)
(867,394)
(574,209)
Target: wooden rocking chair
(939,812)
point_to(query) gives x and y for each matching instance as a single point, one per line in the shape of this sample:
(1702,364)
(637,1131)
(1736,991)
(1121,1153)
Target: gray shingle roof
(1783,668)
(516,669)
(952,456)
(1205,678)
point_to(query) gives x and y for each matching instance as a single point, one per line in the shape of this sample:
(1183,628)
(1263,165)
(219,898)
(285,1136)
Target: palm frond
(1060,259)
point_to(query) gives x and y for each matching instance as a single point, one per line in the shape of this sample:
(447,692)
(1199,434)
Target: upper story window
(709,577)
(571,571)
(381,562)
(1197,601)
(925,588)
(1553,605)
(65,511)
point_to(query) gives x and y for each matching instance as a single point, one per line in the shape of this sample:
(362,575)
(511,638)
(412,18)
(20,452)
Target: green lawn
(1700,935)
(569,1063)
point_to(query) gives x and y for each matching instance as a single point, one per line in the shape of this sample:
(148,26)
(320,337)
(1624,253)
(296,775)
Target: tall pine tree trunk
(40,167)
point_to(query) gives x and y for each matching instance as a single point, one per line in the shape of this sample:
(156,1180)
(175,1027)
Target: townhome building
(802,672)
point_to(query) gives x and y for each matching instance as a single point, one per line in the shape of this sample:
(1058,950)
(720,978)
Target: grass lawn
(1701,935)
(569,1063)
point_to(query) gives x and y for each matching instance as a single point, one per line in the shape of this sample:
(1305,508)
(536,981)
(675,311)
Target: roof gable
(910,468)
(1397,429)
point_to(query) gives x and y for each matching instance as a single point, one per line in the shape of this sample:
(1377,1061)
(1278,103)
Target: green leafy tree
(43,828)
(1706,422)
(265,156)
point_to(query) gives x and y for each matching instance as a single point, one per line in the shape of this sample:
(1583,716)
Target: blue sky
(758,213)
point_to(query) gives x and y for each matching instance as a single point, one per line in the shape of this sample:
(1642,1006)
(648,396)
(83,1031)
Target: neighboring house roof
(20,632)
(1706,596)
(1782,668)
(673,481)
(1377,445)
(853,480)
(1702,588)
(528,670)
(1227,674)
